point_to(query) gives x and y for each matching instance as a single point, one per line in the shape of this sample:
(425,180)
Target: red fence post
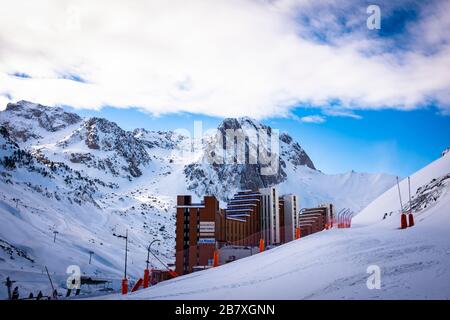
(411,220)
(403,223)
(297,233)
(124,286)
(216,258)
(146,277)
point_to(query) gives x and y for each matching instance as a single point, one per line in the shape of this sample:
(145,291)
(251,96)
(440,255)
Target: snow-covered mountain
(89,180)
(296,172)
(224,179)
(340,263)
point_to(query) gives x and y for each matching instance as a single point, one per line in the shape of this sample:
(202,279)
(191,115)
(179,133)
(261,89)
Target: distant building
(240,222)
(289,211)
(250,216)
(282,220)
(312,220)
(270,216)
(195,233)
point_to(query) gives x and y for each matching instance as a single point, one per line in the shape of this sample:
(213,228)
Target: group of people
(15,293)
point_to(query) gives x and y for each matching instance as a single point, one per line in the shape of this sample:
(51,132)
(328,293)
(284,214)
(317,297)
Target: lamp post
(125,280)
(149,249)
(147,271)
(54,237)
(126,253)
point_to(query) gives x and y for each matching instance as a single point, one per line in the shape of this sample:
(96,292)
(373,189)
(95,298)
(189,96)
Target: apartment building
(249,216)
(289,211)
(240,222)
(195,233)
(270,216)
(313,220)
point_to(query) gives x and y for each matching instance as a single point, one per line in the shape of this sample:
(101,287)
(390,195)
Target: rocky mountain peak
(158,139)
(108,143)
(223,179)
(24,119)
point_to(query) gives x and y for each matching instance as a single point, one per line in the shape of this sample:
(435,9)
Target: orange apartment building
(313,220)
(195,233)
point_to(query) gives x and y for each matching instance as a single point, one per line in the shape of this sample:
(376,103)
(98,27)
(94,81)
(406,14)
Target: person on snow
(15,294)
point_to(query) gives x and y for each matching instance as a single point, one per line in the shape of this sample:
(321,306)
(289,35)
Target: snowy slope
(389,202)
(90,180)
(352,190)
(333,264)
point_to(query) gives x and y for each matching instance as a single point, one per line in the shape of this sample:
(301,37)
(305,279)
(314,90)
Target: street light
(146,271)
(125,280)
(149,249)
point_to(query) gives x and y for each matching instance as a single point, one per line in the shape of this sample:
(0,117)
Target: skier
(39,296)
(8,284)
(55,294)
(31,296)
(15,294)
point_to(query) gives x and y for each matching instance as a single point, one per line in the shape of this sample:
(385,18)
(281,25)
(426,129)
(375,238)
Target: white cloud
(3,102)
(221,58)
(336,112)
(313,119)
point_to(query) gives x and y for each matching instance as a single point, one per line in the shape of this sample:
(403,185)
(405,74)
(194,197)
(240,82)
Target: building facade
(270,216)
(195,233)
(313,220)
(202,228)
(289,211)
(241,220)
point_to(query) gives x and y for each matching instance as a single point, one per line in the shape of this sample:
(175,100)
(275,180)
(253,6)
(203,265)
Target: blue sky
(389,141)
(354,97)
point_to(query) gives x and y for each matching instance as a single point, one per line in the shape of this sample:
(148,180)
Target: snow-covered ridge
(425,179)
(26,120)
(106,144)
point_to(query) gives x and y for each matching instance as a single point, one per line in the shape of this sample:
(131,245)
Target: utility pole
(409,190)
(399,196)
(403,218)
(51,282)
(126,253)
(125,280)
(90,256)
(54,237)
(410,215)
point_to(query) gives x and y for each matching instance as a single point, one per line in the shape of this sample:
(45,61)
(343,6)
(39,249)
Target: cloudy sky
(304,61)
